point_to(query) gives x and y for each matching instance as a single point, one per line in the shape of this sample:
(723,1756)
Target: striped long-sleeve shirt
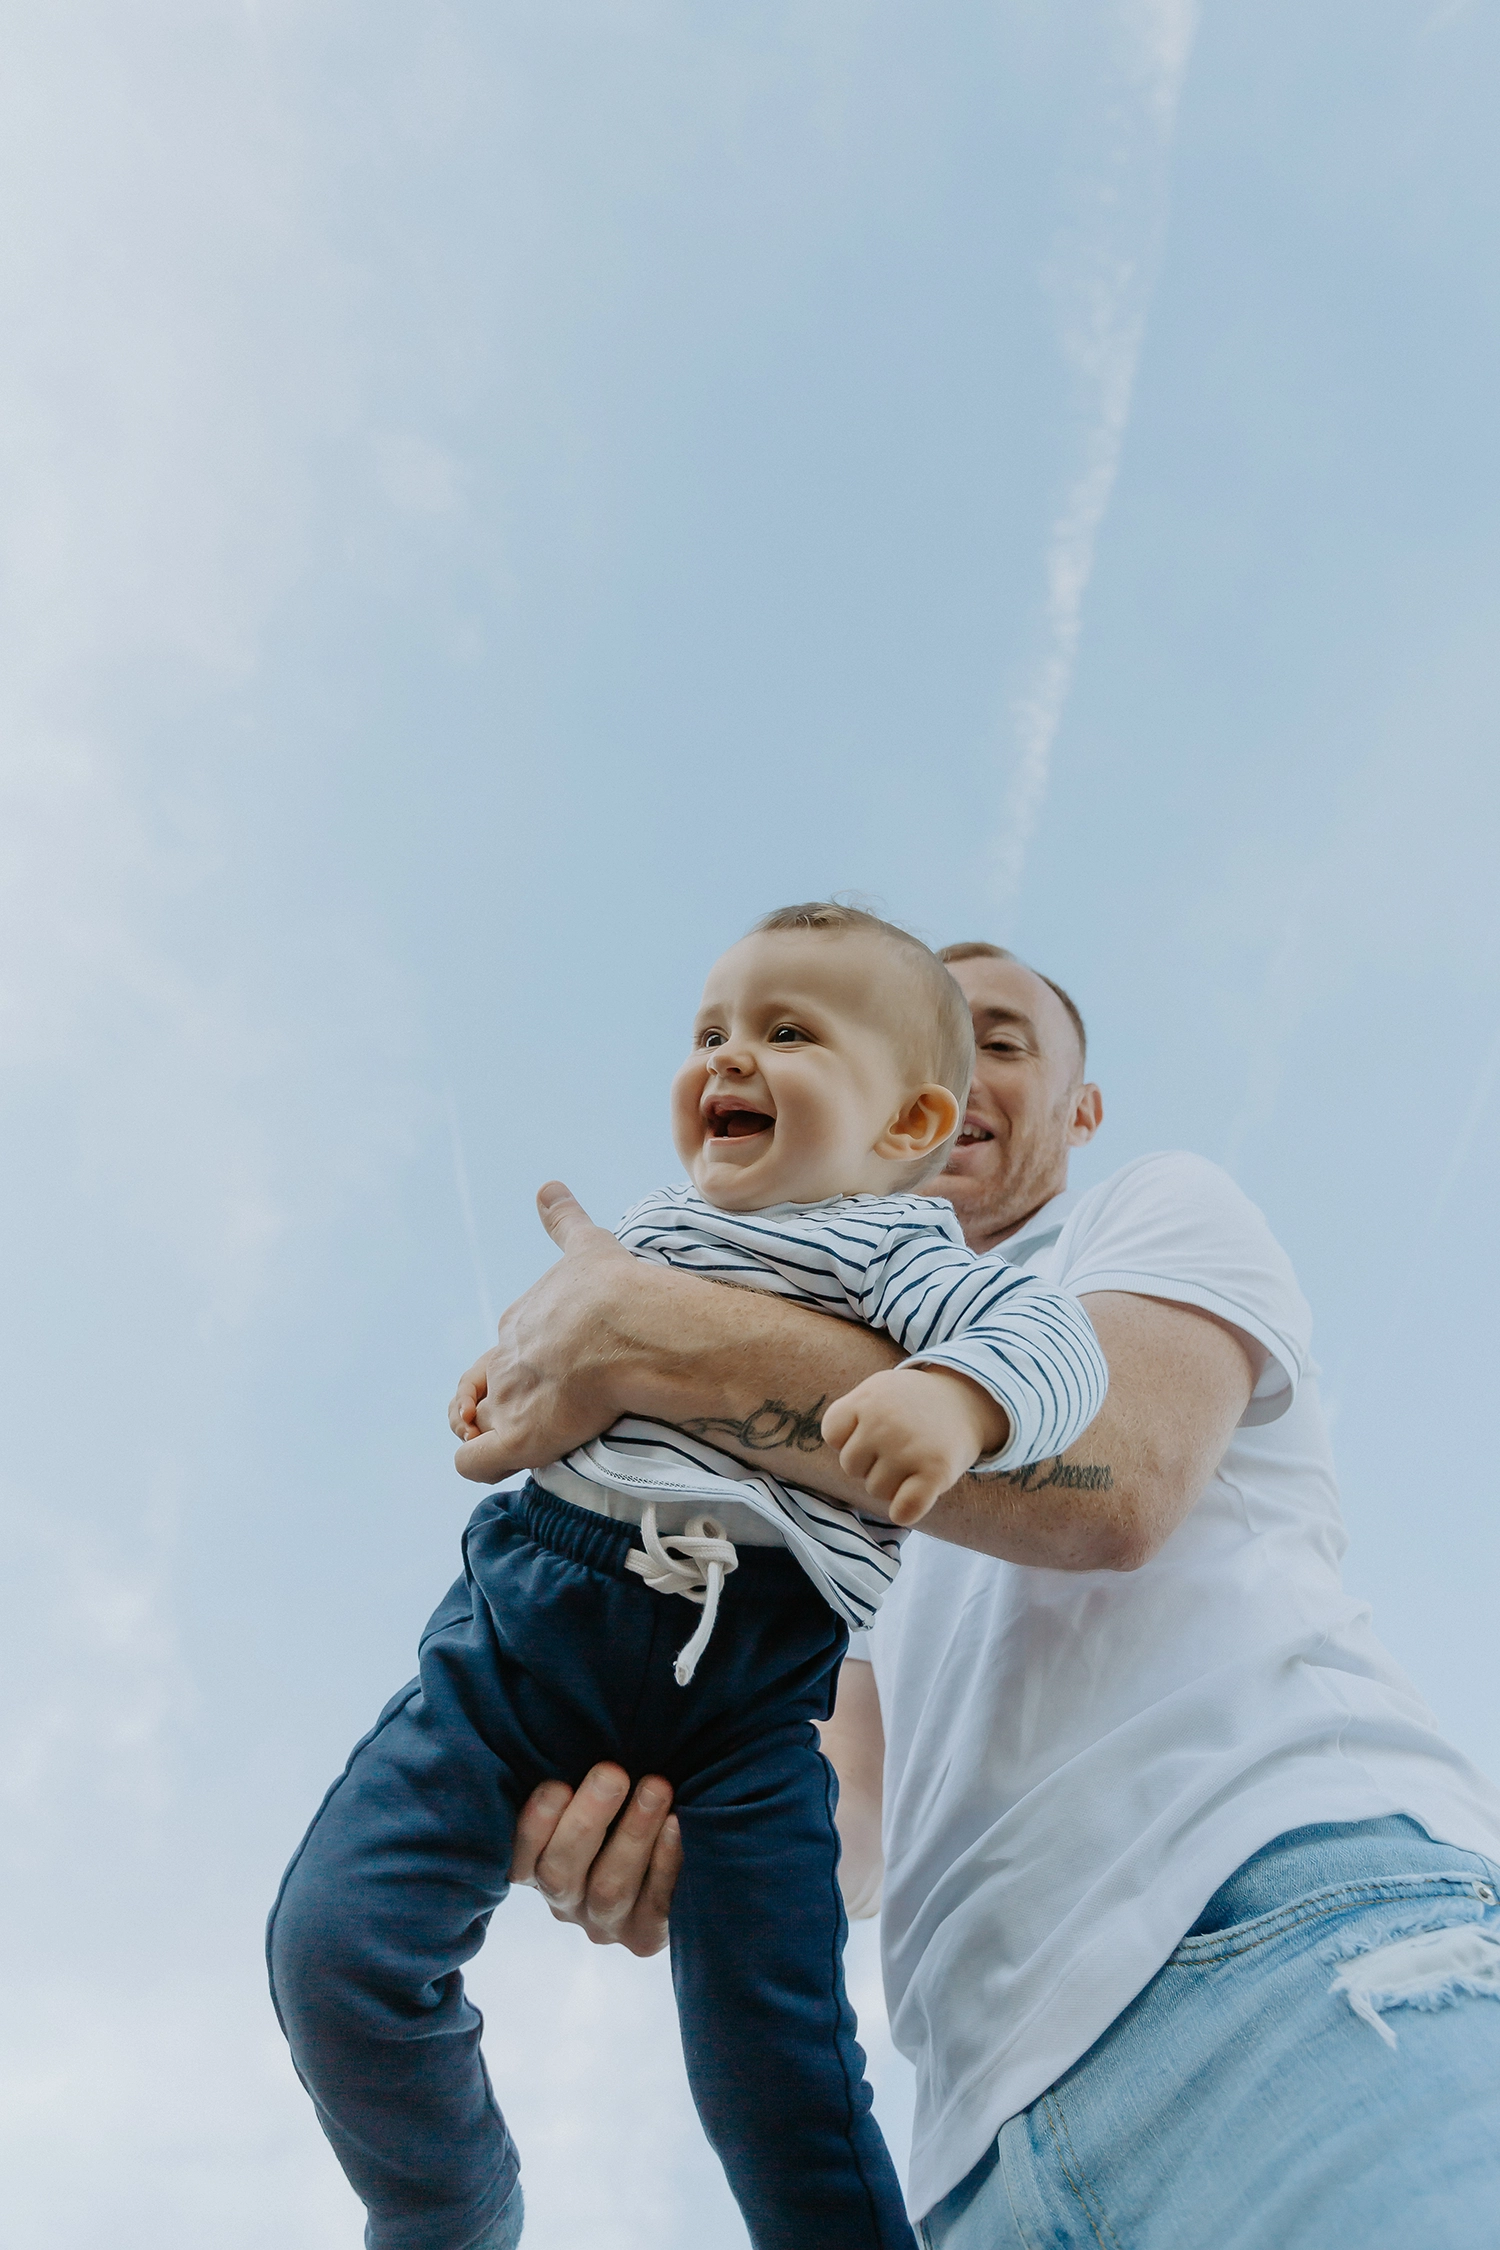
(894,1262)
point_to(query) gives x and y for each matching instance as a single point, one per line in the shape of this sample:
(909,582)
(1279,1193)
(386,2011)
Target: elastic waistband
(741,1523)
(603,1542)
(598,1542)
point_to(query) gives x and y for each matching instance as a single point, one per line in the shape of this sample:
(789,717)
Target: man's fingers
(486,1459)
(662,1874)
(464,1405)
(537,1826)
(570,1226)
(650,1924)
(622,1870)
(562,1214)
(561,1872)
(610,1869)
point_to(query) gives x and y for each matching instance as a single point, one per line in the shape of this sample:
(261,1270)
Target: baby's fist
(909,1434)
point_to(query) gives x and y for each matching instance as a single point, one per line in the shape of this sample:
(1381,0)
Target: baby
(827,1079)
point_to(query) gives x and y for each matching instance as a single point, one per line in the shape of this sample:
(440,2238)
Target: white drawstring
(693,1562)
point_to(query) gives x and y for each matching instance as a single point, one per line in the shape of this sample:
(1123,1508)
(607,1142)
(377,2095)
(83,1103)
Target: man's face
(1029,1104)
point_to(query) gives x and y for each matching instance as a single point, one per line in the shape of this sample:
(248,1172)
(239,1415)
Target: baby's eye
(712,1038)
(787,1035)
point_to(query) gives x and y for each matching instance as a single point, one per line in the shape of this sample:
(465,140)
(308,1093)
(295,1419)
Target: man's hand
(543,1388)
(611,1872)
(910,1434)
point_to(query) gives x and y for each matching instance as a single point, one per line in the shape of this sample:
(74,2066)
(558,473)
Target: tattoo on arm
(773,1424)
(1074,1476)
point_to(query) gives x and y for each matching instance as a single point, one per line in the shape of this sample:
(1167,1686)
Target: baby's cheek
(823,1130)
(686,1116)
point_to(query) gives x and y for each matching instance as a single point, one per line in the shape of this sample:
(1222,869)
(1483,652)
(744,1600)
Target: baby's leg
(391,1891)
(758,1962)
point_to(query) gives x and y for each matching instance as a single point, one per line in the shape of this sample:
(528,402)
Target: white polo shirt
(1076,1760)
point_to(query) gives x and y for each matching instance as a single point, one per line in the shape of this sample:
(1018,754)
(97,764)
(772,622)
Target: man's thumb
(562,1214)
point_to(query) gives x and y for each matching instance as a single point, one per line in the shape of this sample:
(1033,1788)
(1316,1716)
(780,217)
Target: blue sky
(496,498)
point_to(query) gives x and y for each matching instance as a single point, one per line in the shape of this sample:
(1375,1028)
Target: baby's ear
(922,1124)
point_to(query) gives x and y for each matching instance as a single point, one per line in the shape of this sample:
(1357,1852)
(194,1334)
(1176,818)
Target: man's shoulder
(1173,1178)
(1176,1225)
(1172,1201)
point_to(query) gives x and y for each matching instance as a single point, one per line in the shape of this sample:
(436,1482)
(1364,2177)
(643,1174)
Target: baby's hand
(909,1434)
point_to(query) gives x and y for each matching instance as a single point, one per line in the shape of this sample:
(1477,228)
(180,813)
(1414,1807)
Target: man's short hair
(940,1030)
(975,949)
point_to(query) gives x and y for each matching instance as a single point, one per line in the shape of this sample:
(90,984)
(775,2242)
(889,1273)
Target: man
(1190,1915)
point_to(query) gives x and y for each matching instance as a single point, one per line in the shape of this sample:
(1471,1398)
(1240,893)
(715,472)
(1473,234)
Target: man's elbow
(1124,1545)
(1119,1541)
(1141,1522)
(1119,1528)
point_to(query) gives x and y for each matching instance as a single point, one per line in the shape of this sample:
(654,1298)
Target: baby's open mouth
(738,1124)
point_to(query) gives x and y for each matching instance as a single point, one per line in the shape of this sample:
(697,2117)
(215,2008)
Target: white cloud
(198,2132)
(86,1619)
(155,412)
(166,2101)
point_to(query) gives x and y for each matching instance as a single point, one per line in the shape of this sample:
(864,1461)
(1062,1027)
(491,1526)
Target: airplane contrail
(1102,284)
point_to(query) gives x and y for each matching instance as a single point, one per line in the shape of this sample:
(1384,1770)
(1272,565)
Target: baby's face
(794,1075)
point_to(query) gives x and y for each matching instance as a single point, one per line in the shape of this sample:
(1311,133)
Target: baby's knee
(316,1940)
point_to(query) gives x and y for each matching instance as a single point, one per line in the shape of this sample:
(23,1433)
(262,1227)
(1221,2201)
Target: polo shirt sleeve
(1177,1227)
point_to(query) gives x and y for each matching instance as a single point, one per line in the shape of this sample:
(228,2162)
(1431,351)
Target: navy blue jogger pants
(546,1656)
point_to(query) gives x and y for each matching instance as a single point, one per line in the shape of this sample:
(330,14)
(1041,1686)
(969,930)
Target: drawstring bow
(693,1562)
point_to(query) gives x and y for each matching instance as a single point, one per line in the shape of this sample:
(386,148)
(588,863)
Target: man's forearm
(754,1375)
(1179,1381)
(603,1334)
(748,1373)
(854,1744)
(1065,1514)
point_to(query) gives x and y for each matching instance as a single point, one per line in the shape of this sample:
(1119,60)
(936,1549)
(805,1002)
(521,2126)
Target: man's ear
(921,1124)
(1087,1117)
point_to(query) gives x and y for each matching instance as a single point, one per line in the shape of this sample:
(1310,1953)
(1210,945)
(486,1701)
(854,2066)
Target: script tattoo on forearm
(772,1425)
(1073,1476)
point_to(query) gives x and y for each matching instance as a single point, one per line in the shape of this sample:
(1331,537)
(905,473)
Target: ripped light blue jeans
(1317,2067)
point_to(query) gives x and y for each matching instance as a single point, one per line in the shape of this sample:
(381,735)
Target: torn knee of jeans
(1431,1970)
